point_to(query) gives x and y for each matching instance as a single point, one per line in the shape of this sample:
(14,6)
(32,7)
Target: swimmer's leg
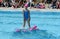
(24,23)
(28,21)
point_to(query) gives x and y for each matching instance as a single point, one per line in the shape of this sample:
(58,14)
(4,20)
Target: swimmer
(26,15)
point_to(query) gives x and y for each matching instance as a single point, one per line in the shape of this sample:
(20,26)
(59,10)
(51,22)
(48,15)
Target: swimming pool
(47,22)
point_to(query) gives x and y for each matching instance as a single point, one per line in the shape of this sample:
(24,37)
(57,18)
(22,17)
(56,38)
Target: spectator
(32,4)
(48,1)
(58,4)
(14,4)
(54,4)
(1,3)
(40,5)
(8,4)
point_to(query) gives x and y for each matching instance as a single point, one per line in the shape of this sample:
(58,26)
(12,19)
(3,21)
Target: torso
(26,14)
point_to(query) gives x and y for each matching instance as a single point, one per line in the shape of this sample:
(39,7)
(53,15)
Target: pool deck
(32,9)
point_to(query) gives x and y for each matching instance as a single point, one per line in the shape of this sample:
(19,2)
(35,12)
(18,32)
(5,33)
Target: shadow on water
(35,34)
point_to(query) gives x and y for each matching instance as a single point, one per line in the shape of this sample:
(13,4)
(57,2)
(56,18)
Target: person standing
(26,15)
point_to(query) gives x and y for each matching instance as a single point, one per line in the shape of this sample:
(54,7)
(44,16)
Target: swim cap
(26,5)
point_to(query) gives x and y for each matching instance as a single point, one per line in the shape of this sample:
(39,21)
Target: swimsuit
(26,16)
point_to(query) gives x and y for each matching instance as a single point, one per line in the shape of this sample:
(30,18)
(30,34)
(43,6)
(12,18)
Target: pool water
(48,24)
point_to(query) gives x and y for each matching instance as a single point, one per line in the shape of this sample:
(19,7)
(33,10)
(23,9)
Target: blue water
(47,22)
